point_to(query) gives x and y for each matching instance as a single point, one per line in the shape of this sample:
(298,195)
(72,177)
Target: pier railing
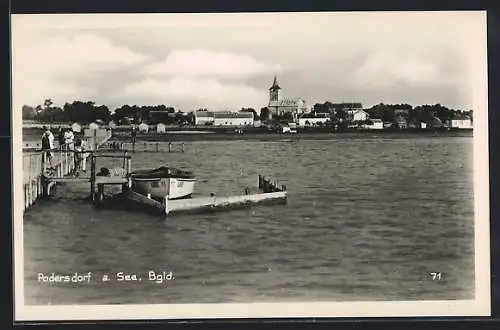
(57,162)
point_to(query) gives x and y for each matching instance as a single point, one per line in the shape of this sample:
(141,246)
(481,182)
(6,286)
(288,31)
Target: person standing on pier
(60,137)
(68,139)
(47,144)
(134,133)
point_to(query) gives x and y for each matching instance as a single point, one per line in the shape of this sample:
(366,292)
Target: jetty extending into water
(40,175)
(39,179)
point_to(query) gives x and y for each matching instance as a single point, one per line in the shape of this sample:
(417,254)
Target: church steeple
(275,86)
(274,92)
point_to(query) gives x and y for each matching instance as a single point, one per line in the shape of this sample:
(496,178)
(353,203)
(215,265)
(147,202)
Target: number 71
(436,276)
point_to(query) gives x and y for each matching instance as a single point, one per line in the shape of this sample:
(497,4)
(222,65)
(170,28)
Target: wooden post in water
(182,146)
(166,204)
(157,147)
(170,147)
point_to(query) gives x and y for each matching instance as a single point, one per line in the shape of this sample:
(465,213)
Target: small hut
(143,128)
(160,128)
(76,128)
(93,126)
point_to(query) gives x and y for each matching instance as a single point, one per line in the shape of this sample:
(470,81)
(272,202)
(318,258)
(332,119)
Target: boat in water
(163,181)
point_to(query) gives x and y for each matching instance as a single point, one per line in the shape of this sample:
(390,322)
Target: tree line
(87,112)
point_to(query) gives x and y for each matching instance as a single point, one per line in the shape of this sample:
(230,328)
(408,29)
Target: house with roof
(374,124)
(313,119)
(358,115)
(461,122)
(233,118)
(203,117)
(401,122)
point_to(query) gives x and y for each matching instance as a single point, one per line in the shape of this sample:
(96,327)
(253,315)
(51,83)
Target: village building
(224,118)
(358,115)
(161,128)
(278,106)
(374,124)
(143,128)
(313,119)
(93,126)
(204,117)
(461,122)
(401,122)
(229,118)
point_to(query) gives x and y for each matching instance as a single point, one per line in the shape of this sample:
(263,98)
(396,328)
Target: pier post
(95,139)
(92,176)
(157,147)
(182,147)
(165,201)
(170,147)
(100,193)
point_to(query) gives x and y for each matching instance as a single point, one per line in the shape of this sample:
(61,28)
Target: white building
(93,126)
(228,118)
(111,124)
(204,117)
(358,115)
(376,124)
(161,128)
(313,120)
(462,123)
(143,127)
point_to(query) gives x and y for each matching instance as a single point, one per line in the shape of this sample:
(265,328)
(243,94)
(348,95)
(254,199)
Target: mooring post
(100,192)
(157,147)
(182,146)
(165,201)
(95,139)
(44,162)
(92,176)
(170,147)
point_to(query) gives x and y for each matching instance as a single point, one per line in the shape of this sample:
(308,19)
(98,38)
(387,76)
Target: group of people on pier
(66,139)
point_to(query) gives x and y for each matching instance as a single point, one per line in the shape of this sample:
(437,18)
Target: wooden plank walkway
(143,146)
(35,166)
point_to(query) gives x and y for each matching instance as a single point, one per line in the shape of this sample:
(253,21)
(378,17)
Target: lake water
(367,219)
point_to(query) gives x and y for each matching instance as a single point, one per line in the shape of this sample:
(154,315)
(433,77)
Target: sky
(228,61)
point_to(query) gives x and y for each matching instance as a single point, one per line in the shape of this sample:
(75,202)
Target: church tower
(274,92)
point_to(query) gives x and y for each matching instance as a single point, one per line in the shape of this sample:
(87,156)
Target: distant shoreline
(32,134)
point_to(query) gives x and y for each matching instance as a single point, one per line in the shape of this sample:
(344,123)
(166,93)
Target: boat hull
(158,188)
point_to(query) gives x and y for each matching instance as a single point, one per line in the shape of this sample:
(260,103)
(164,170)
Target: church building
(278,106)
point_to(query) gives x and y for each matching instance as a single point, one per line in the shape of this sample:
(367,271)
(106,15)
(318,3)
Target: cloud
(385,69)
(196,93)
(200,62)
(51,67)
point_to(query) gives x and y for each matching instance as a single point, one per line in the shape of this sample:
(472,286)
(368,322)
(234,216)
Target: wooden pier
(40,175)
(142,146)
